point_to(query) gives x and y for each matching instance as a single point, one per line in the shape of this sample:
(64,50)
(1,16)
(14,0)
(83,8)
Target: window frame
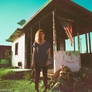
(16,48)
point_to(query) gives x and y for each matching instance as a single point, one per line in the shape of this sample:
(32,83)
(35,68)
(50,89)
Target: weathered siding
(21,51)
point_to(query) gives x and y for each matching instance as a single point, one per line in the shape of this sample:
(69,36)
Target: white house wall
(21,51)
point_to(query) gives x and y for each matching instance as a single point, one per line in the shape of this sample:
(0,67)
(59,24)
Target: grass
(4,71)
(23,85)
(19,86)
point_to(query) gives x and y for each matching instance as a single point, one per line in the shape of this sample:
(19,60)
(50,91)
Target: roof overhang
(63,5)
(18,32)
(75,11)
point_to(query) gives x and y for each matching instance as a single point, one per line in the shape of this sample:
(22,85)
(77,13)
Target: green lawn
(4,71)
(19,86)
(23,85)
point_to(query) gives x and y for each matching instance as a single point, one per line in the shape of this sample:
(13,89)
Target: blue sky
(12,11)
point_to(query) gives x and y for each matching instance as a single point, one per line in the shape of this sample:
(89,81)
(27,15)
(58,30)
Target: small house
(53,17)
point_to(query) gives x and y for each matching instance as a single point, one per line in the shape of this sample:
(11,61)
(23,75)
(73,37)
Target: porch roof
(76,12)
(61,5)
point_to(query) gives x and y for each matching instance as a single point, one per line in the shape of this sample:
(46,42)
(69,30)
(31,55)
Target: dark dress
(39,59)
(41,55)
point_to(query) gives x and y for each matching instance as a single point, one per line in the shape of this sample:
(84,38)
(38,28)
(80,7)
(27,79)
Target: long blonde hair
(38,36)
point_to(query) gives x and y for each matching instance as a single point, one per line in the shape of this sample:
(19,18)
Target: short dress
(40,56)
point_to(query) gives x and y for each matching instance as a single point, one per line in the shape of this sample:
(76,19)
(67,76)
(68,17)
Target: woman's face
(42,35)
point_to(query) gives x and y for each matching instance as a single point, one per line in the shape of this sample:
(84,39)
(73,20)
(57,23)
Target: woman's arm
(48,62)
(33,57)
(49,50)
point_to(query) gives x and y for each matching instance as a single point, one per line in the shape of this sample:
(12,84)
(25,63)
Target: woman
(41,55)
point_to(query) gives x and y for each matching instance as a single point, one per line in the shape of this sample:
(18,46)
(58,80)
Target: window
(68,45)
(81,46)
(16,49)
(83,43)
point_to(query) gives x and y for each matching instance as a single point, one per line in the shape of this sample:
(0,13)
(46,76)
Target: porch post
(89,42)
(78,42)
(54,33)
(74,43)
(54,38)
(86,43)
(31,48)
(26,43)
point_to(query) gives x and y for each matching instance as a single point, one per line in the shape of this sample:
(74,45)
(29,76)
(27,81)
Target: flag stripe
(68,30)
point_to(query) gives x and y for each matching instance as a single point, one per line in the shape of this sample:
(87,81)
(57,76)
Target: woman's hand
(48,62)
(32,66)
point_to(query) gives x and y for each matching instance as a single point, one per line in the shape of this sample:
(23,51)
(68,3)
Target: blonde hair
(38,36)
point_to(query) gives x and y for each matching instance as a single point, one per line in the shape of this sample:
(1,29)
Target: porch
(51,20)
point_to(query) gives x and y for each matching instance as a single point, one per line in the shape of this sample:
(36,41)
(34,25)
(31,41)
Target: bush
(4,61)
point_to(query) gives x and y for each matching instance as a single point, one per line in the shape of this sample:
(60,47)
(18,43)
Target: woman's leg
(37,77)
(44,70)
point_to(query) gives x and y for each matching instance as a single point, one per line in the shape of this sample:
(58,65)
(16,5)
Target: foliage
(4,61)
(7,53)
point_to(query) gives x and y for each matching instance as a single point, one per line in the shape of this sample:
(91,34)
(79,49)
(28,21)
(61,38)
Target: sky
(12,11)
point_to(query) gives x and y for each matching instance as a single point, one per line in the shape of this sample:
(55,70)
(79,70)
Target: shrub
(4,61)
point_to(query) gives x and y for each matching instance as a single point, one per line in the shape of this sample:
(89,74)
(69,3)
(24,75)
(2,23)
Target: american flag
(68,30)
